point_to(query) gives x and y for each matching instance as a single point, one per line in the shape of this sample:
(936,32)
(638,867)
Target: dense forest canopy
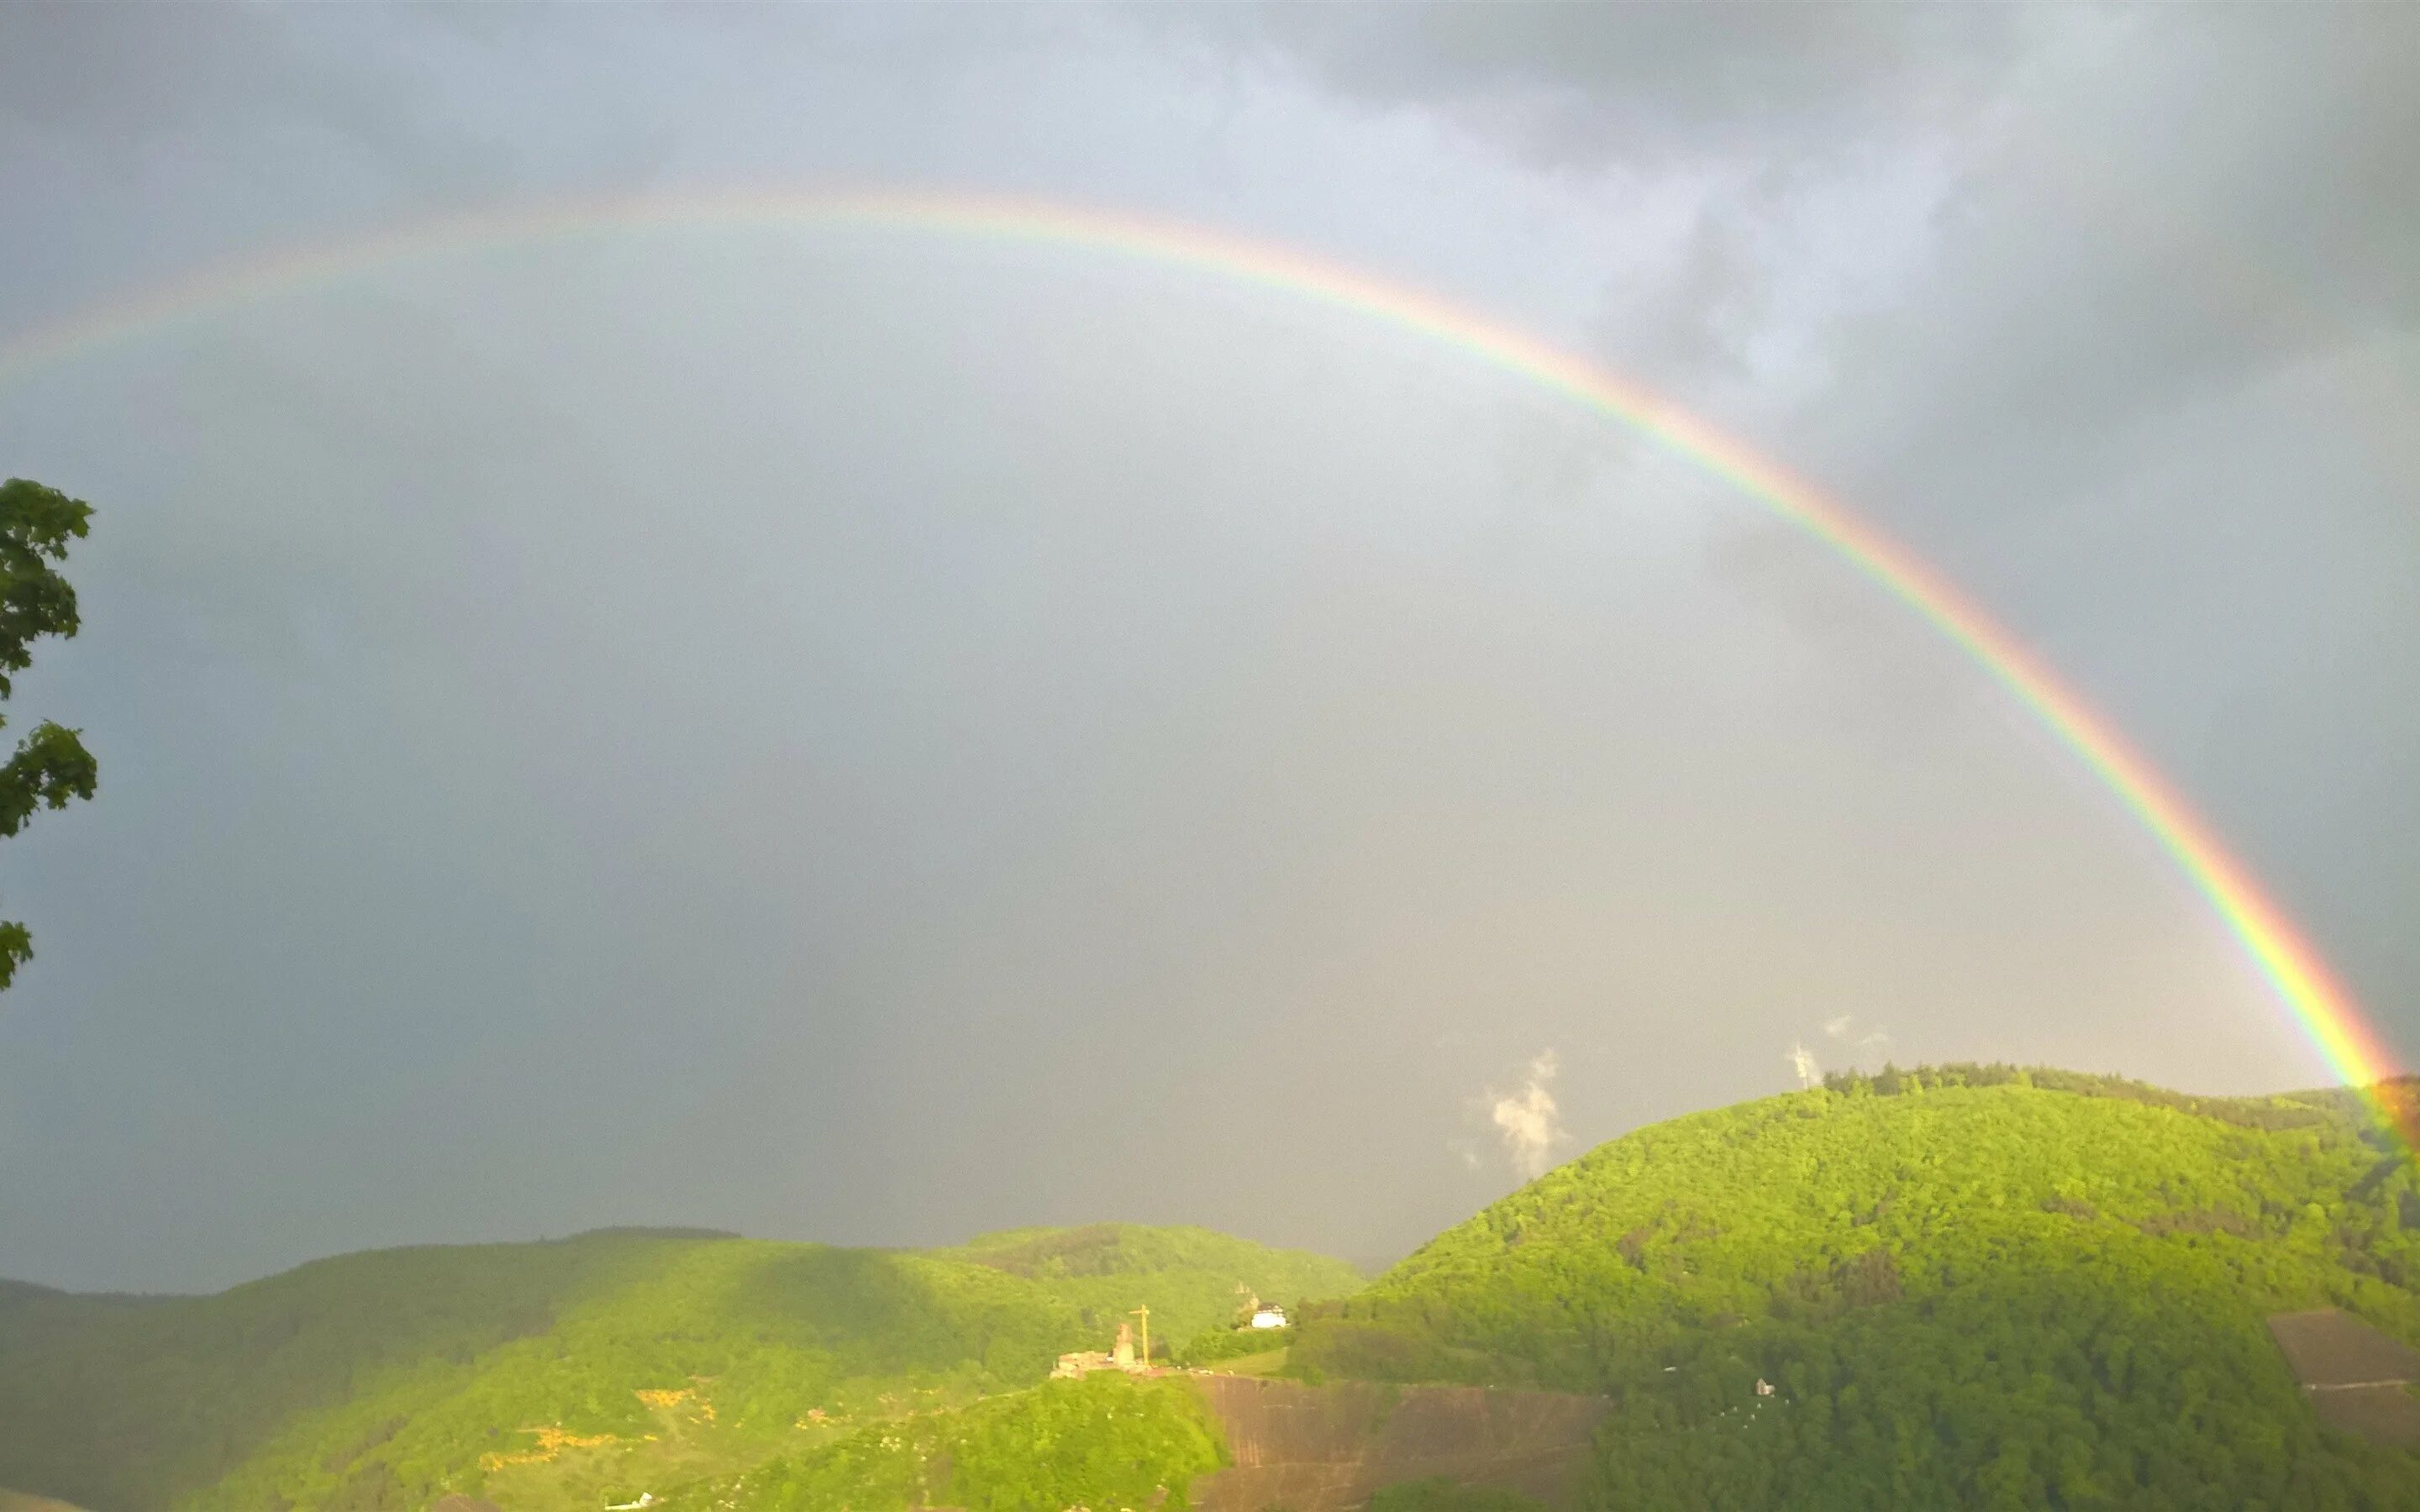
(1966,1286)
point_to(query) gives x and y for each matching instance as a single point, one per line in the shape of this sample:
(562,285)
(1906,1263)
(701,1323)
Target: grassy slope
(1986,1295)
(380,1380)
(114,1405)
(1107,1440)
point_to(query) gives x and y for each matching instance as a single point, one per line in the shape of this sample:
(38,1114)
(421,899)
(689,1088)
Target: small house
(1268,1315)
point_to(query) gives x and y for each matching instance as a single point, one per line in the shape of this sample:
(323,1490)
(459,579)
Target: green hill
(1969,1287)
(1195,1272)
(551,1375)
(1964,1286)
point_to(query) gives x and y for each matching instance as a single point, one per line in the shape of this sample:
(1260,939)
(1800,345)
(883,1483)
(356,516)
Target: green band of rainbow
(2319,1004)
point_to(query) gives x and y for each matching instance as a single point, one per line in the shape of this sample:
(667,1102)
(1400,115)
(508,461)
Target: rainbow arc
(2301,980)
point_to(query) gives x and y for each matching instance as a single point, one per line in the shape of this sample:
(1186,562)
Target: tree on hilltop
(51,765)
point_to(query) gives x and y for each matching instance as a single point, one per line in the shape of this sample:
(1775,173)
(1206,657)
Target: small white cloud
(1838,1029)
(1529,1122)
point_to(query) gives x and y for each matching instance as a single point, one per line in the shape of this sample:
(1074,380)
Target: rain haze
(695,714)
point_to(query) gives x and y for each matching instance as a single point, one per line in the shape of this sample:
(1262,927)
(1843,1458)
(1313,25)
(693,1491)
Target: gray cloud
(1575,86)
(2123,227)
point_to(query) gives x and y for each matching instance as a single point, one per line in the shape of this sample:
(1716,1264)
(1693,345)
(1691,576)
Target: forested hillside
(1964,1286)
(549,1375)
(1967,1287)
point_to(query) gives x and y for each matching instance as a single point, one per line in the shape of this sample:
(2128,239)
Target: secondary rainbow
(2319,1004)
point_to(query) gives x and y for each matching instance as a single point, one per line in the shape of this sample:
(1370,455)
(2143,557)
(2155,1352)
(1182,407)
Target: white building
(1268,1315)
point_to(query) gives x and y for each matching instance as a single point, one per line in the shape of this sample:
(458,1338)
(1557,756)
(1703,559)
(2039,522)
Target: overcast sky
(872,736)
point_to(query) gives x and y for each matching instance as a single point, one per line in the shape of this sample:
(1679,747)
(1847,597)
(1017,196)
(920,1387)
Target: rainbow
(2320,1005)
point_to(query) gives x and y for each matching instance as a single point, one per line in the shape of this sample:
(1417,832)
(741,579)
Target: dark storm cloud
(1577,85)
(114,77)
(236,91)
(1767,99)
(2153,235)
(2141,200)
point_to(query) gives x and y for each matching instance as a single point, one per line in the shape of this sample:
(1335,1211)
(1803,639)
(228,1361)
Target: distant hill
(549,1375)
(1194,1272)
(1967,1287)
